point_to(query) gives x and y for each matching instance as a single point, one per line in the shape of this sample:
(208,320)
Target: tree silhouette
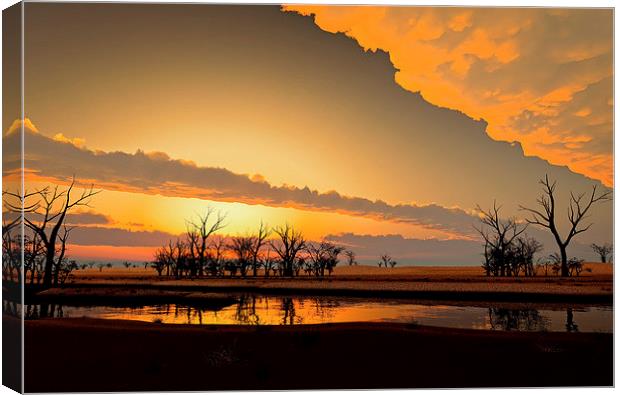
(604,251)
(199,231)
(290,244)
(215,256)
(524,250)
(242,249)
(324,256)
(387,261)
(52,206)
(578,209)
(258,242)
(350,257)
(12,243)
(499,235)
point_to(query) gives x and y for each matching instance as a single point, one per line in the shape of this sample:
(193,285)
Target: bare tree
(575,266)
(350,257)
(386,261)
(268,262)
(215,256)
(52,206)
(34,258)
(242,248)
(290,244)
(498,235)
(545,264)
(578,209)
(324,256)
(524,250)
(604,251)
(199,232)
(18,205)
(58,265)
(192,251)
(159,263)
(258,242)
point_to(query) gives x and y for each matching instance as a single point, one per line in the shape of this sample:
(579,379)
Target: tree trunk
(564,268)
(49,264)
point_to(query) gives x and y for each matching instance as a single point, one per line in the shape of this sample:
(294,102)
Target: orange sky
(266,114)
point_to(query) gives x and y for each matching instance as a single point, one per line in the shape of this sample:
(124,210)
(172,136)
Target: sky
(380,128)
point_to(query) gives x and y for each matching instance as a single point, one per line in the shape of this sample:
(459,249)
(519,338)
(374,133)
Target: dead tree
(578,208)
(202,229)
(243,249)
(52,206)
(350,257)
(12,243)
(192,251)
(258,242)
(324,256)
(268,262)
(290,244)
(34,258)
(604,251)
(58,265)
(498,235)
(386,260)
(215,256)
(524,250)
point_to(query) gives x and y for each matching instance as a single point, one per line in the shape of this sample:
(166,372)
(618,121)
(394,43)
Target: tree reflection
(571,326)
(516,320)
(246,310)
(11,308)
(288,308)
(37,311)
(324,308)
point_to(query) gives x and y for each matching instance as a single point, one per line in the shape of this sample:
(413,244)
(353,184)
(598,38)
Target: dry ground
(597,269)
(439,283)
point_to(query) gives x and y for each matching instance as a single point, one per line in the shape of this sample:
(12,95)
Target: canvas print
(205,197)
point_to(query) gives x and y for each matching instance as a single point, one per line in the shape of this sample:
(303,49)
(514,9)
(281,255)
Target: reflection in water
(286,310)
(10,308)
(517,320)
(570,324)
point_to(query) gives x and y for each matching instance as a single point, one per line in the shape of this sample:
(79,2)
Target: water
(282,310)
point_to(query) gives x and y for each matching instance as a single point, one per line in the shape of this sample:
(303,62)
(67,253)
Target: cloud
(79,218)
(78,142)
(17,125)
(504,65)
(156,173)
(409,251)
(100,236)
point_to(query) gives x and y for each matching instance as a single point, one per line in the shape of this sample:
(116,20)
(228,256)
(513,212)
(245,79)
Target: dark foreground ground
(104,355)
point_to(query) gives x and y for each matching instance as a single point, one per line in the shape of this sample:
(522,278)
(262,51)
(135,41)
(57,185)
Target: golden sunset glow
(249,197)
(386,136)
